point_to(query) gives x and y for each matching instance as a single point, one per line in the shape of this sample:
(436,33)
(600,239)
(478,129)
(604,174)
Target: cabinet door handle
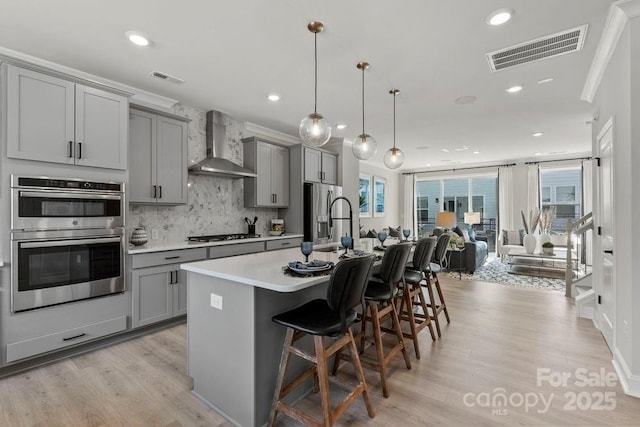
(171,277)
(323,176)
(172,257)
(160,196)
(74,337)
(176,281)
(320,175)
(610,252)
(70,149)
(79,150)
(285,243)
(275,198)
(155,191)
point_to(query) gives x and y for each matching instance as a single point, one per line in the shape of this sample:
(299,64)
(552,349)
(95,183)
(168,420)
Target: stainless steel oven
(39,203)
(67,241)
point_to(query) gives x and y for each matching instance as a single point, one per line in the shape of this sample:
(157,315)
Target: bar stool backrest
(441,248)
(347,285)
(393,263)
(423,252)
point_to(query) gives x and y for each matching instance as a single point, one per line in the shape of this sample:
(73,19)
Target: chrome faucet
(350,219)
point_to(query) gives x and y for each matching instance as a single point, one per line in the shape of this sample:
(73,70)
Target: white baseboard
(630,383)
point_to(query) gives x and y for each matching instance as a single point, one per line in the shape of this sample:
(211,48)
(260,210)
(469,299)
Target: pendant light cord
(363,68)
(394,120)
(315,61)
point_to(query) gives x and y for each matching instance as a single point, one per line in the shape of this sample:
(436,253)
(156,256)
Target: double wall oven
(67,240)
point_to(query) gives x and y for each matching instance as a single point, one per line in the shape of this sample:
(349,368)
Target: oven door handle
(59,195)
(55,243)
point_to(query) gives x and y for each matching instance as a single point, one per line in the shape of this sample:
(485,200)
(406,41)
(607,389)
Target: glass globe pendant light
(364,146)
(314,129)
(394,157)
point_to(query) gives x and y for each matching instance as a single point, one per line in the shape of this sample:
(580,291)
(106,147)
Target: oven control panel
(69,184)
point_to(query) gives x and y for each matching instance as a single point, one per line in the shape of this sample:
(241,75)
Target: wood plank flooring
(498,337)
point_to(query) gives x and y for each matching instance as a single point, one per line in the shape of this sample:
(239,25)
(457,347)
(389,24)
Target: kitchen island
(233,346)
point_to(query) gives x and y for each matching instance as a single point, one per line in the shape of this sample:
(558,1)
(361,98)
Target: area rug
(496,271)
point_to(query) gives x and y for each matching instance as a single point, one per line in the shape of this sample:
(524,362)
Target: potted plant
(547,248)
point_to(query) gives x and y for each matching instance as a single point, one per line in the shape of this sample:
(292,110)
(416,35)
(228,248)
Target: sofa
(475,254)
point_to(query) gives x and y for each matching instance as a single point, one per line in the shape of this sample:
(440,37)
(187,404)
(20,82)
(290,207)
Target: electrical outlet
(154,234)
(216,301)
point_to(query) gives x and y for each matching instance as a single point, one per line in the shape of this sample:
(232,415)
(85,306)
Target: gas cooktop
(222,237)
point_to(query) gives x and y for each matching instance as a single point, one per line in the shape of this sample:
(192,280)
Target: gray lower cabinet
(51,119)
(275,244)
(158,289)
(271,164)
(158,153)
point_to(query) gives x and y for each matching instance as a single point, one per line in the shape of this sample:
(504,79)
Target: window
(560,190)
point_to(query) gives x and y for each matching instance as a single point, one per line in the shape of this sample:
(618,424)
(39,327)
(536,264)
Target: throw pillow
(465,236)
(512,237)
(363,232)
(472,234)
(457,230)
(395,232)
(372,233)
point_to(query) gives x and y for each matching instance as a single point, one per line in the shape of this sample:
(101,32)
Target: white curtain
(408,210)
(587,204)
(533,185)
(505,198)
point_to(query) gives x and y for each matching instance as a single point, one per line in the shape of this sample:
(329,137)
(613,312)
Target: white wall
(618,96)
(393,198)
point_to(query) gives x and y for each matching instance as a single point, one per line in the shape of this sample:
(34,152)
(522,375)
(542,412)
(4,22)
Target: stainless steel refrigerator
(317,199)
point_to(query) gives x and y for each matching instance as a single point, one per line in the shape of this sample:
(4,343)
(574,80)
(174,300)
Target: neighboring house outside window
(561,189)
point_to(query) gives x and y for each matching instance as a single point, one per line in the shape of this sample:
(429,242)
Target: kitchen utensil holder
(252,228)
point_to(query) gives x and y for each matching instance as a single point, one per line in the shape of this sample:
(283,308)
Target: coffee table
(538,264)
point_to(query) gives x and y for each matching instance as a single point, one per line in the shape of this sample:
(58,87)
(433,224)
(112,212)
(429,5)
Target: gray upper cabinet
(158,153)
(320,166)
(54,120)
(271,164)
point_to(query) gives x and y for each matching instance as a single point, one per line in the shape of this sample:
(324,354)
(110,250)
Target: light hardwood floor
(498,337)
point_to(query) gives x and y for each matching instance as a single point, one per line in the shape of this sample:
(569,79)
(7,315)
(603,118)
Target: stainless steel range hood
(214,164)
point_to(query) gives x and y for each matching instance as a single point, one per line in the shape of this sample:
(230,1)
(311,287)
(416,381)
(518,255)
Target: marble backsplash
(215,205)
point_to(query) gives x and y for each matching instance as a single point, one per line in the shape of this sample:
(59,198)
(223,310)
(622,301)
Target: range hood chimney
(214,164)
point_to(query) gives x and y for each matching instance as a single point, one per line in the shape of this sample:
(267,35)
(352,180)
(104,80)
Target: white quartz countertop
(1,262)
(263,270)
(188,245)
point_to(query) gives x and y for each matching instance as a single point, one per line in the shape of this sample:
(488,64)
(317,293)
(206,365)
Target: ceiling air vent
(166,77)
(535,50)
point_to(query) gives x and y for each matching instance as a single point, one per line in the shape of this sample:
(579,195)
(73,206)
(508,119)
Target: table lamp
(472,218)
(446,220)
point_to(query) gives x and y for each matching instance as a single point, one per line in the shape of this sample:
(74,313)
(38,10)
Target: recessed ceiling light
(423,147)
(446,150)
(341,126)
(428,164)
(514,89)
(537,154)
(273,97)
(543,81)
(476,152)
(463,148)
(465,100)
(537,134)
(500,16)
(137,38)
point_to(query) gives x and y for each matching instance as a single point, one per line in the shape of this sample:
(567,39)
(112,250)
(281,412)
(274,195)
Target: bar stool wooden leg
(323,380)
(396,324)
(443,305)
(377,334)
(282,370)
(360,373)
(432,305)
(423,305)
(407,301)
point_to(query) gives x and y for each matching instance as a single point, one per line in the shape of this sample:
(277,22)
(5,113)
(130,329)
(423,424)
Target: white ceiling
(232,53)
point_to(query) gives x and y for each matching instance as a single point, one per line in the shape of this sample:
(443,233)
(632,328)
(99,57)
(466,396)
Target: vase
(138,237)
(529,242)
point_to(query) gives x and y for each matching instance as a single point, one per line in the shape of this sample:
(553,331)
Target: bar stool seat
(332,317)
(378,291)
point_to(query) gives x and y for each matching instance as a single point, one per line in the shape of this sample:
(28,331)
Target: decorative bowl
(276,232)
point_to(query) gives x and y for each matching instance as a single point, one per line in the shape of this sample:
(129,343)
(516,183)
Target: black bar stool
(431,272)
(379,297)
(332,317)
(412,289)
